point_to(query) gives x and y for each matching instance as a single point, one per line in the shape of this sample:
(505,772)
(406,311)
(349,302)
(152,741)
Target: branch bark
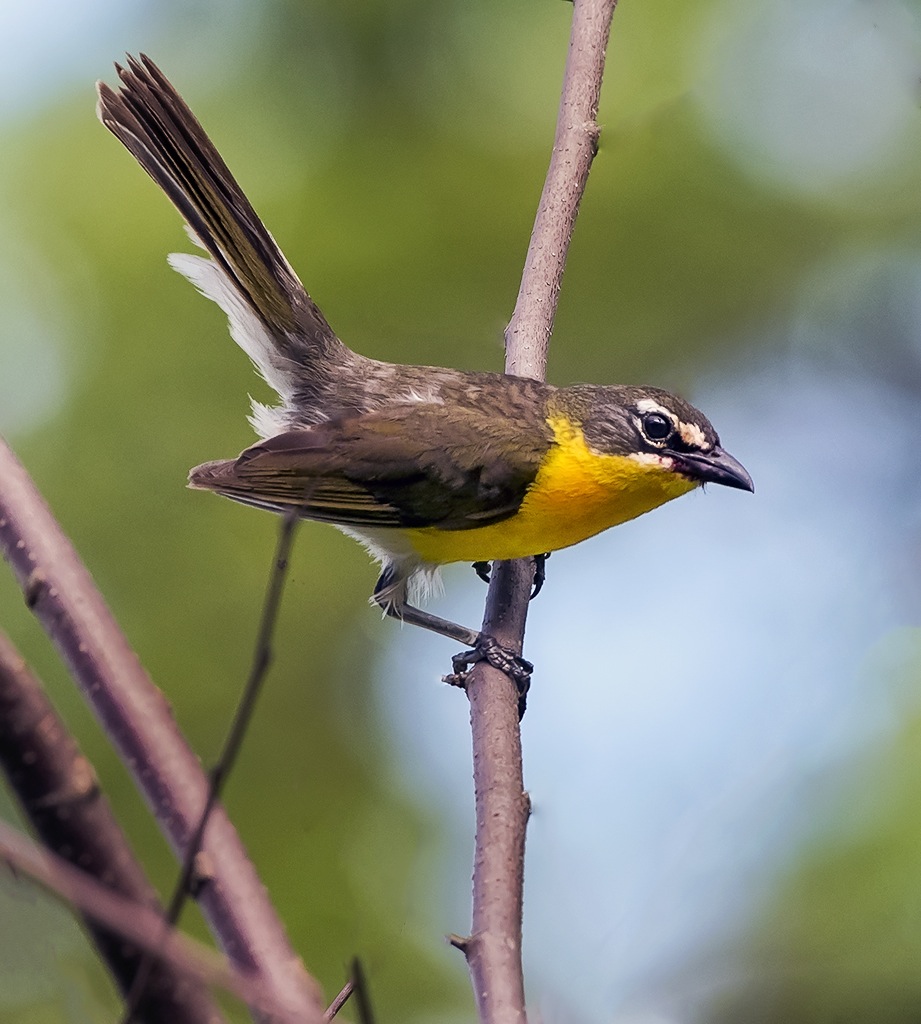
(60,795)
(138,924)
(61,593)
(575,143)
(493,950)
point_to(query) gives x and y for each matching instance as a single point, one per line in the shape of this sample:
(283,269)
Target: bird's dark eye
(656,426)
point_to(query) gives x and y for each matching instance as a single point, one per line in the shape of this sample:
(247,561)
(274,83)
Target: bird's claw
(540,574)
(488,649)
(483,570)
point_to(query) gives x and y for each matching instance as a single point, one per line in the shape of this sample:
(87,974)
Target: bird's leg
(483,570)
(389,596)
(540,574)
(417,617)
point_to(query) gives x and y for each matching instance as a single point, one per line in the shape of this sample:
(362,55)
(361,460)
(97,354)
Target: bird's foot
(488,649)
(483,570)
(540,574)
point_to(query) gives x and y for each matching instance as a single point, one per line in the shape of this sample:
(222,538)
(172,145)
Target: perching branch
(575,143)
(63,596)
(60,795)
(138,924)
(493,950)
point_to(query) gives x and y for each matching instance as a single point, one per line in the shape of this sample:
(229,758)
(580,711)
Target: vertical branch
(575,143)
(493,950)
(61,593)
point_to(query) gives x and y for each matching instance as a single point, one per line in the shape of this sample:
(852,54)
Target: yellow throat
(577,493)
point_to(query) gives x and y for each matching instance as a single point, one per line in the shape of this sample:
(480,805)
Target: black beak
(714,467)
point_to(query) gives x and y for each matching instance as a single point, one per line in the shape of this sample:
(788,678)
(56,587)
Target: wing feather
(419,465)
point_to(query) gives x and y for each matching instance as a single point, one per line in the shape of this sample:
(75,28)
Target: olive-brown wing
(408,466)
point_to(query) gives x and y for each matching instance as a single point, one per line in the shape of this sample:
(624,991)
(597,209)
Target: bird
(423,465)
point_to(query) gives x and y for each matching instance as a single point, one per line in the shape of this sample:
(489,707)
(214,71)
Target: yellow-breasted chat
(424,465)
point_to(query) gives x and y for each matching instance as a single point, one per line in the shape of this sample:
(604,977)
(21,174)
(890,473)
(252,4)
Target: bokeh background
(722,744)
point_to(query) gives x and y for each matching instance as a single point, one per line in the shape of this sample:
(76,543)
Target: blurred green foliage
(842,938)
(396,150)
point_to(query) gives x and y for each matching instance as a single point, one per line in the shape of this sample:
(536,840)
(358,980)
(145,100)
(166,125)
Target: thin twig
(361,994)
(217,777)
(356,987)
(134,714)
(262,658)
(59,793)
(137,924)
(493,950)
(342,997)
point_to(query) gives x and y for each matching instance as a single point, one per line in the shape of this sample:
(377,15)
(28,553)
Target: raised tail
(272,317)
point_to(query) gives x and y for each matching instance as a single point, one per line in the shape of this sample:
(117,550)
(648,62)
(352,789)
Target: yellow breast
(577,493)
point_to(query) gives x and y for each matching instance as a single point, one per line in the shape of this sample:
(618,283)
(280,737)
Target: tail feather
(154,123)
(246,329)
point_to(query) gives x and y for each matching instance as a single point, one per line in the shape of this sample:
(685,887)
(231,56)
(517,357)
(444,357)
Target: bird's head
(660,430)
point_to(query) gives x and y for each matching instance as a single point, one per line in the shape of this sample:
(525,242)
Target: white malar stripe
(652,459)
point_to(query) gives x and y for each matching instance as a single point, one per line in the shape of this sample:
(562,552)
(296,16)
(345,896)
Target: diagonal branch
(59,793)
(136,717)
(493,950)
(138,924)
